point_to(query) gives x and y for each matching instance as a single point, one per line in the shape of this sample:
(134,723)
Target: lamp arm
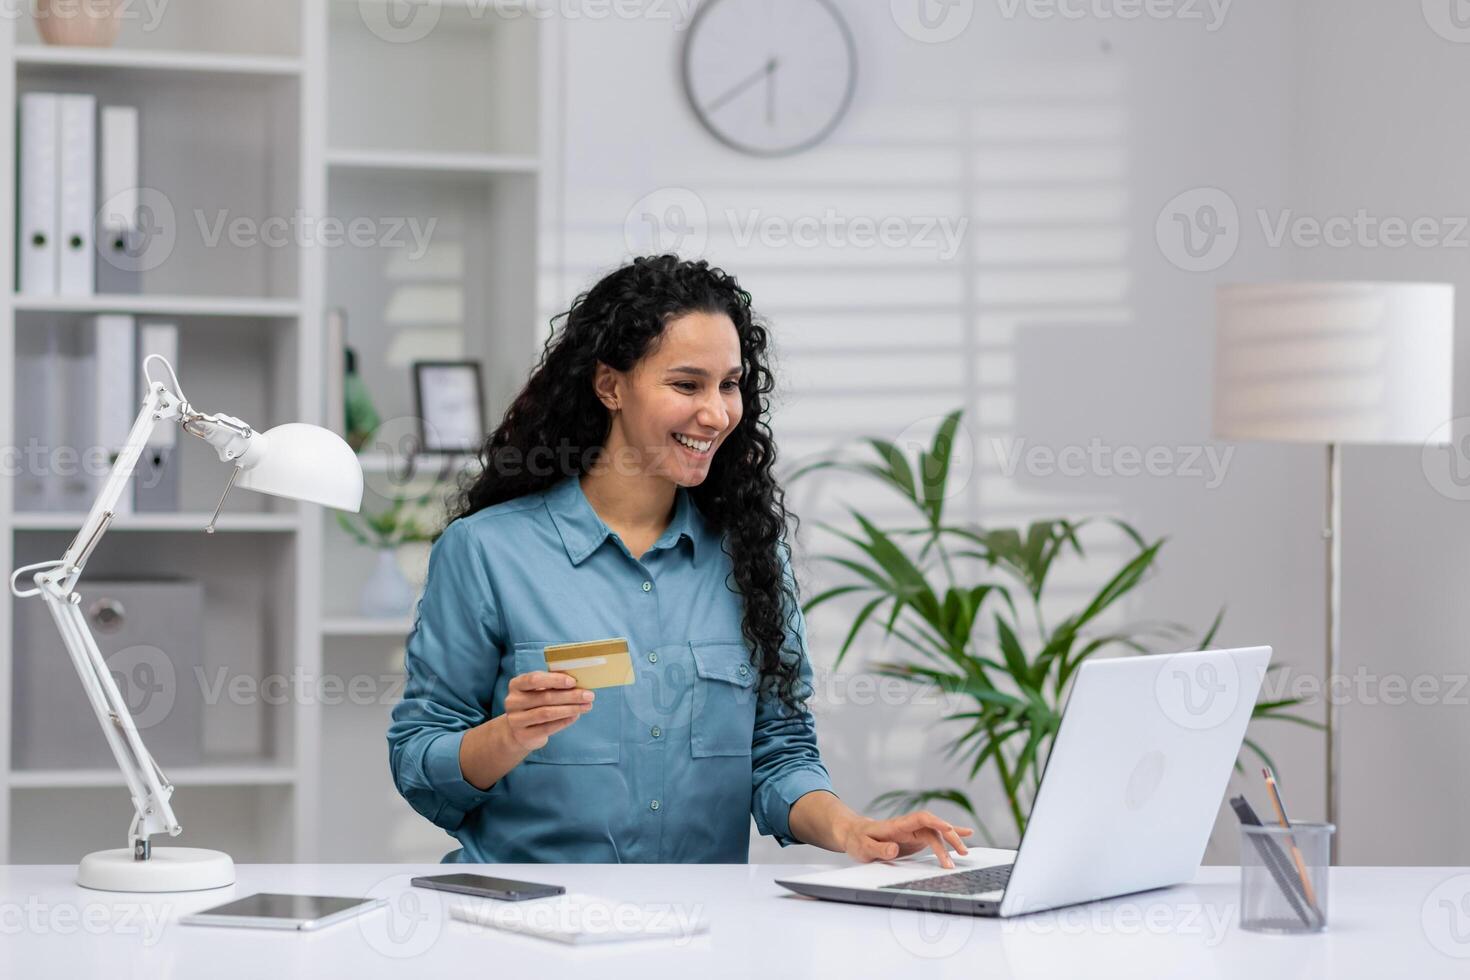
(160,405)
(147,785)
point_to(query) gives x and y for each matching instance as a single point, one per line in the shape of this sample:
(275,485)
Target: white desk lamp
(295,460)
(1333,363)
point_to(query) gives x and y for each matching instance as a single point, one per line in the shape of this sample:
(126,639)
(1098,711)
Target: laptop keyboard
(973,882)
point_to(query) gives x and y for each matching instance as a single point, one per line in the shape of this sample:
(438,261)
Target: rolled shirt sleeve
(451,665)
(786,764)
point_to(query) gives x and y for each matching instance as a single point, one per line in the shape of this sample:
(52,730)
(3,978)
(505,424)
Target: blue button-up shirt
(667,769)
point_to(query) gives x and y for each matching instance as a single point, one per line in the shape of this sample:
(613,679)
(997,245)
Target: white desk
(1385,922)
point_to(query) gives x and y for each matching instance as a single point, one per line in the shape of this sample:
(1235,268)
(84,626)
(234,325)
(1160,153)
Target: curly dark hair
(616,323)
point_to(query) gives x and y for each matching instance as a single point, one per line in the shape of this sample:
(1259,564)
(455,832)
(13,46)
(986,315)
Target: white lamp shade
(306,462)
(1334,362)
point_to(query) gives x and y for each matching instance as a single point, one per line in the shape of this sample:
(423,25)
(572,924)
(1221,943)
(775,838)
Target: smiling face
(680,402)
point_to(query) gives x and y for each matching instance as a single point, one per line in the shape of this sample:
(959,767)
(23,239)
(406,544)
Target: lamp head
(303,462)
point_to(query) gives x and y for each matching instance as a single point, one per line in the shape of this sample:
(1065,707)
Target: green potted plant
(988,640)
(408,522)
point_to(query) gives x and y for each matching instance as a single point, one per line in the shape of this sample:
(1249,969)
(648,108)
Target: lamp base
(168,869)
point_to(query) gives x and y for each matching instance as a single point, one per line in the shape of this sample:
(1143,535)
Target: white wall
(1061,320)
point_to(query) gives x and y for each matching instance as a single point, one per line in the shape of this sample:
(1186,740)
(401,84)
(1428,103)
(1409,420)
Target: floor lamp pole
(1333,535)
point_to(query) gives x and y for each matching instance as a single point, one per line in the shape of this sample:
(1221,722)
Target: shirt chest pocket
(723,721)
(593,739)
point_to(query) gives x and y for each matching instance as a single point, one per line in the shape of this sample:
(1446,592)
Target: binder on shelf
(77,202)
(117,392)
(156,482)
(72,412)
(40,126)
(118,242)
(38,376)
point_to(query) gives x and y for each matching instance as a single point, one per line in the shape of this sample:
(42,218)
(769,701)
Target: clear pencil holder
(1283,877)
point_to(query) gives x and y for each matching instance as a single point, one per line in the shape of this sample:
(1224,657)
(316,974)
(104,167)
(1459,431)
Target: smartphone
(503,889)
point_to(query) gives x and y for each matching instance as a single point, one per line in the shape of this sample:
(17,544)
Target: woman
(628,492)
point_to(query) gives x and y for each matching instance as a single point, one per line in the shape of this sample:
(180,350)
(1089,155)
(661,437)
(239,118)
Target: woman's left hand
(883,840)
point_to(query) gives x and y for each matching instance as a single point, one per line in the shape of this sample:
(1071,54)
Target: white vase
(386,593)
(413,562)
(79,23)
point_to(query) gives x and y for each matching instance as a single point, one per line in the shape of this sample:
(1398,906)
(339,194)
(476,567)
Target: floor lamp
(1333,364)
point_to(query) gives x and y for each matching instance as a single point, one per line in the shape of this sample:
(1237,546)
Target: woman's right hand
(542,703)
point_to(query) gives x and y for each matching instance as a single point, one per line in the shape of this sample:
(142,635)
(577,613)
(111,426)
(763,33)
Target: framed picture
(450,404)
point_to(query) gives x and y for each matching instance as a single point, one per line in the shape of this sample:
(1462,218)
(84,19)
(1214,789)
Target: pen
(1296,854)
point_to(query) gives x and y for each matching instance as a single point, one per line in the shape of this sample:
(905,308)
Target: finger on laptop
(947,831)
(935,841)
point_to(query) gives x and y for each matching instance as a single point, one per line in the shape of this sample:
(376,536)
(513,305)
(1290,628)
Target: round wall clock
(769,77)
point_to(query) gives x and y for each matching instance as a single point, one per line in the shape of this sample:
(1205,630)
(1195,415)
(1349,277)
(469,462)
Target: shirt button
(653,805)
(744,670)
(655,731)
(647,586)
(653,658)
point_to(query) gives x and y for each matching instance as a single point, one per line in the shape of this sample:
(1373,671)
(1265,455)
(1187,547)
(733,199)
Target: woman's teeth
(699,446)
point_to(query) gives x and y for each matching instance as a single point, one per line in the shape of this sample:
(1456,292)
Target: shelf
(417,162)
(159,305)
(445,466)
(203,63)
(206,775)
(480,7)
(364,626)
(63,521)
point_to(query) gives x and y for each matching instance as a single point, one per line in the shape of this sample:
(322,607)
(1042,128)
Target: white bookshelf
(410,162)
(219,775)
(270,108)
(180,521)
(388,628)
(160,61)
(238,306)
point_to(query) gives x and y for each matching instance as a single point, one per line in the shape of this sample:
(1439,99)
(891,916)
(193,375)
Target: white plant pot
(386,594)
(413,562)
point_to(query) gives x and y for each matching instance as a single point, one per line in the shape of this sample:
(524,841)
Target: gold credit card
(594,663)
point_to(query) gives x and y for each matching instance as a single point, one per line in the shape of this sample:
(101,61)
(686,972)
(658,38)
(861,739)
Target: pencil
(1296,854)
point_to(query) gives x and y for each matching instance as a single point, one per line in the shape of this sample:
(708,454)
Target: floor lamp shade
(1333,362)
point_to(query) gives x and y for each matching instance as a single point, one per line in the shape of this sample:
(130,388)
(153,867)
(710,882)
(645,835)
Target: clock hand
(762,72)
(771,92)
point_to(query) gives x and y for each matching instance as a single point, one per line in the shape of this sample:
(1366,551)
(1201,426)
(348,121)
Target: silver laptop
(1126,804)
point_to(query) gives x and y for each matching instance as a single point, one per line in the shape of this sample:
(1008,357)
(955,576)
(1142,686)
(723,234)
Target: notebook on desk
(579,919)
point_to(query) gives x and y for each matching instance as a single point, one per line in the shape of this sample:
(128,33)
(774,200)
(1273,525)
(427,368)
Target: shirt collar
(583,531)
